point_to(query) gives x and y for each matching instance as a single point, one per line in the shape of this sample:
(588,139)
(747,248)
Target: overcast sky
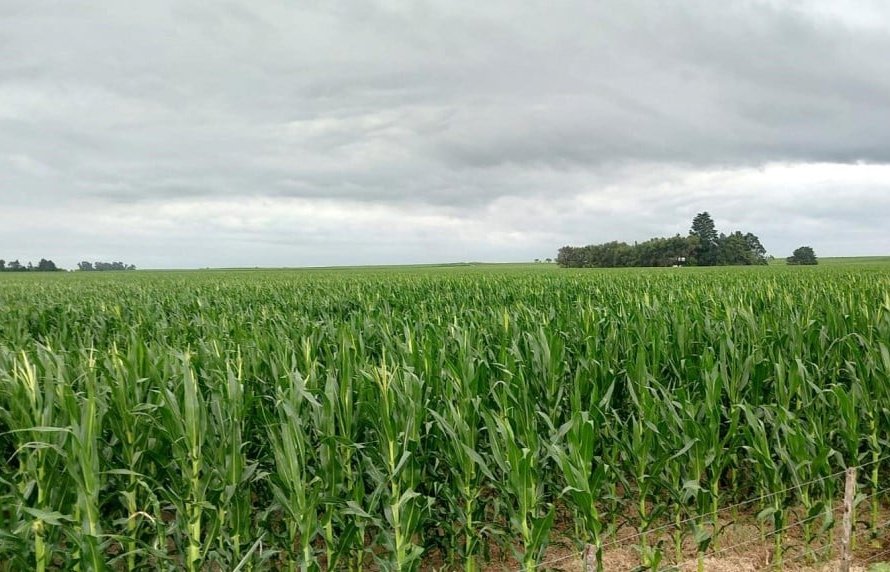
(191,134)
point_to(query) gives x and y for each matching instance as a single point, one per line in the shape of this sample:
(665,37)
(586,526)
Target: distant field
(449,268)
(856,260)
(456,416)
(544,266)
(846,260)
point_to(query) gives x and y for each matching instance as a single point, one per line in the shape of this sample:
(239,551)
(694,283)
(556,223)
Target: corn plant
(296,488)
(184,418)
(38,429)
(644,453)
(807,456)
(132,401)
(395,465)
(461,424)
(518,453)
(770,475)
(234,472)
(342,521)
(577,453)
(86,411)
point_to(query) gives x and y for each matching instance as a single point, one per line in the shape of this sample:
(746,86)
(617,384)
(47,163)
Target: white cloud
(785,204)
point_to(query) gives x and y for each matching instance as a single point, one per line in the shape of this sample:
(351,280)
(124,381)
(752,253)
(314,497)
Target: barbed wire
(834,545)
(875,557)
(738,545)
(874,494)
(737,505)
(668,526)
(719,511)
(558,560)
(582,553)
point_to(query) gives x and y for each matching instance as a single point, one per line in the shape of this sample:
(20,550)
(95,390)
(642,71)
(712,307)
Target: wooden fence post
(849,497)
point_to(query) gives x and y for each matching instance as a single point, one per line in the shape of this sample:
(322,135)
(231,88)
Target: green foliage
(803,255)
(708,251)
(98,266)
(361,419)
(738,249)
(15,266)
(702,247)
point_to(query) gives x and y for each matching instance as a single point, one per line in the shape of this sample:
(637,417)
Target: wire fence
(759,539)
(864,498)
(736,546)
(878,557)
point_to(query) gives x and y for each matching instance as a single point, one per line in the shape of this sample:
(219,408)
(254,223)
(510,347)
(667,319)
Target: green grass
(856,260)
(368,418)
(843,260)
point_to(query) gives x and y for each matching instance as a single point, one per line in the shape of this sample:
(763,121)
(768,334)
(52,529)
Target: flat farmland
(452,417)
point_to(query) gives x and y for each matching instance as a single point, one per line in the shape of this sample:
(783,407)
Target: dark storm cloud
(452,113)
(714,83)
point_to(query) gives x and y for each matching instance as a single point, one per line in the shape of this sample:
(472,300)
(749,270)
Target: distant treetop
(103,266)
(15,266)
(803,255)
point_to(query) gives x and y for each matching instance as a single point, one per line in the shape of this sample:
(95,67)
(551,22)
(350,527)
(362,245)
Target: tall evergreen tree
(708,251)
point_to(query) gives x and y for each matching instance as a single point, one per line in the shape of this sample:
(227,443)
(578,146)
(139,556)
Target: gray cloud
(444,120)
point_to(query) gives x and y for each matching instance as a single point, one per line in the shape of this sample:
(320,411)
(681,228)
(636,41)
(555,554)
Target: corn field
(401,420)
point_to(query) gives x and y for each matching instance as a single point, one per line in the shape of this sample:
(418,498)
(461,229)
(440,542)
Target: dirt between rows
(739,548)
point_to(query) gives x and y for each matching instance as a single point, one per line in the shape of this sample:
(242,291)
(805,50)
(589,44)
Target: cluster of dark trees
(703,246)
(50,266)
(802,255)
(103,266)
(16,266)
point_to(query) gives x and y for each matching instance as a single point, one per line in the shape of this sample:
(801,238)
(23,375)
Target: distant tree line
(103,266)
(16,266)
(703,246)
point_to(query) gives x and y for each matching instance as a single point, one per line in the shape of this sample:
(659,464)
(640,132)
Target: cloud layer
(273,133)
